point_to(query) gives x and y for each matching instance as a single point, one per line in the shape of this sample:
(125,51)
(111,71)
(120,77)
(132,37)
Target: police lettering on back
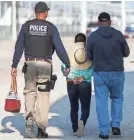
(38,30)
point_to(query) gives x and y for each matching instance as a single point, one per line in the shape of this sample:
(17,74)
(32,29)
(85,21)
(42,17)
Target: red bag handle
(14,85)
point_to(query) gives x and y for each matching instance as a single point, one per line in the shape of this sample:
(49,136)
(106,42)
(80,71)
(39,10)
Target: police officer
(38,39)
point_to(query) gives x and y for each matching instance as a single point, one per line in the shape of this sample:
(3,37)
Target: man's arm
(60,50)
(19,47)
(125,47)
(89,53)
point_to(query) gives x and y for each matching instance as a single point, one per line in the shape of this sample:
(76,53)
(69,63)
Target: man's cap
(104,17)
(41,7)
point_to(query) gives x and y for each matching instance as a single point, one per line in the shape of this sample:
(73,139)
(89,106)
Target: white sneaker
(80,131)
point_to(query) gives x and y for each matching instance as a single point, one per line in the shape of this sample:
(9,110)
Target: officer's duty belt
(38,59)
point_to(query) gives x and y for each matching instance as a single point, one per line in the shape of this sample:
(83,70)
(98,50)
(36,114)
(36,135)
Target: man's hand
(14,72)
(67,71)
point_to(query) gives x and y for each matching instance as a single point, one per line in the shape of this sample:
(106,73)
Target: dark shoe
(103,137)
(41,134)
(116,131)
(45,135)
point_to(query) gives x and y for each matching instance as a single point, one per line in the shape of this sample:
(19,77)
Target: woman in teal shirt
(79,84)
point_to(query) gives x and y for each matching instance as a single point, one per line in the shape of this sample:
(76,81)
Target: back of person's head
(104,19)
(41,10)
(80,37)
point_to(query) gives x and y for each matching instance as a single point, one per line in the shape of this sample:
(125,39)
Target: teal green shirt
(87,74)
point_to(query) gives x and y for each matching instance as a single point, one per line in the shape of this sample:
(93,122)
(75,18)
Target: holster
(49,84)
(24,69)
(47,87)
(53,80)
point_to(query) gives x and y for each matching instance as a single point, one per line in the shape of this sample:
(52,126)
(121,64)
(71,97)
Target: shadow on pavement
(17,121)
(60,116)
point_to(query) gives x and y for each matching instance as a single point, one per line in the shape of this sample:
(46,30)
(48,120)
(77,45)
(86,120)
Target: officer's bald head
(41,10)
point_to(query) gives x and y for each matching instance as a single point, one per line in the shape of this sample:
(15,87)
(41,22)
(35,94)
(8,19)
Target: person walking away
(38,38)
(79,84)
(107,47)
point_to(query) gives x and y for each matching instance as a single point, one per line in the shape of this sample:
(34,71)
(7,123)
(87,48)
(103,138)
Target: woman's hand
(78,80)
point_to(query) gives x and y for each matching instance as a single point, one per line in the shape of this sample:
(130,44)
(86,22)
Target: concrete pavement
(12,126)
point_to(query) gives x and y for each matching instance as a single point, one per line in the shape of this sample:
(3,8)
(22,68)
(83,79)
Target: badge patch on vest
(38,30)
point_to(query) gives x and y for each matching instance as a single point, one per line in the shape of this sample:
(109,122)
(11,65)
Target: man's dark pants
(78,92)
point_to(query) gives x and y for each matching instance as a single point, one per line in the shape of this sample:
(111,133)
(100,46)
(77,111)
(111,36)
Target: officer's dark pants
(78,92)
(37,103)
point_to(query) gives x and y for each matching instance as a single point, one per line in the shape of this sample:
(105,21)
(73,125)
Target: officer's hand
(14,72)
(66,72)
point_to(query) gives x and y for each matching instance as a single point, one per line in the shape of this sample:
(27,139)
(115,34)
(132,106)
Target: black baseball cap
(41,7)
(104,17)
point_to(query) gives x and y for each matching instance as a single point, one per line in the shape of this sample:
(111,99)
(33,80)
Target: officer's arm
(125,47)
(58,45)
(89,53)
(19,47)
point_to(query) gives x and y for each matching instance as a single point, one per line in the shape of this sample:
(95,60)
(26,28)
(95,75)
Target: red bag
(12,102)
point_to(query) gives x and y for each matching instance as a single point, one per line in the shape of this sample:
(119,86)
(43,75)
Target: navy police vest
(38,41)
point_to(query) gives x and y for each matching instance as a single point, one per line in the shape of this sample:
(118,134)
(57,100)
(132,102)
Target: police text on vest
(38,30)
